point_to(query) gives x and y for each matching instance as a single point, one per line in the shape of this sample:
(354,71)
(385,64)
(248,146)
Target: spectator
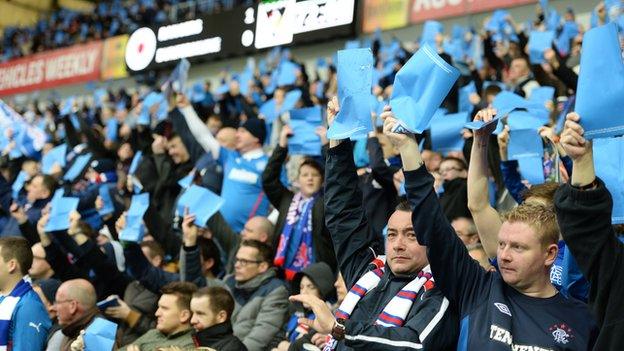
(362,317)
(303,237)
(520,77)
(38,193)
(212,310)
(46,289)
(261,298)
(24,321)
(454,200)
(465,230)
(173,319)
(584,208)
(75,309)
(40,268)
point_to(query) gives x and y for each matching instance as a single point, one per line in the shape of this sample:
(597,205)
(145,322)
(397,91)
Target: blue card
(538,43)
(464,97)
(135,162)
(287,73)
(521,119)
(525,143)
(506,101)
(60,208)
(198,94)
(420,87)
(355,70)
(68,106)
(201,202)
(52,157)
(269,111)
(111,129)
(77,168)
(352,44)
(600,89)
(609,163)
(430,30)
(542,94)
(532,169)
(304,122)
(104,304)
(18,184)
(134,229)
(446,132)
(100,335)
(186,181)
(109,207)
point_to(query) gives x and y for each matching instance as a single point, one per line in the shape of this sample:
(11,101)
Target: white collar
(253,154)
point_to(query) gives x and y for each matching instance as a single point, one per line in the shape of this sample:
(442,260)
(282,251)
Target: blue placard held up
(419,89)
(609,163)
(61,208)
(304,140)
(200,202)
(134,229)
(77,168)
(525,143)
(446,132)
(100,335)
(600,89)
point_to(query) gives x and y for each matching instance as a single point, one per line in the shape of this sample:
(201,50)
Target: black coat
(219,337)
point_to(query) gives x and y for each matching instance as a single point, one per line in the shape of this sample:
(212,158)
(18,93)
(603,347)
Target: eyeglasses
(243,262)
(57,302)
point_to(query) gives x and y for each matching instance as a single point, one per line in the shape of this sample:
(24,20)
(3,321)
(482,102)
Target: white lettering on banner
(244,176)
(502,335)
(426,5)
(180,30)
(320,14)
(190,49)
(71,65)
(22,75)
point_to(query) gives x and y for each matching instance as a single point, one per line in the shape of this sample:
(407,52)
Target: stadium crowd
(168,218)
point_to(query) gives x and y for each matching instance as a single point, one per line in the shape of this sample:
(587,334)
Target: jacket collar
(253,154)
(256,282)
(212,334)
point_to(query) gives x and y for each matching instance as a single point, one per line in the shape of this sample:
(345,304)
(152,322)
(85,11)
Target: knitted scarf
(395,312)
(7,307)
(294,251)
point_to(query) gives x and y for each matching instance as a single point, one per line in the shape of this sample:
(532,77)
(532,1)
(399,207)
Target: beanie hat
(256,127)
(49,288)
(103,165)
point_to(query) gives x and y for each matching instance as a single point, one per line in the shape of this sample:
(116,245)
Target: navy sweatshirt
(493,315)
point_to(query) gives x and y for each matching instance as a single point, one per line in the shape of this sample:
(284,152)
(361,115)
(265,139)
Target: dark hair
(209,250)
(155,249)
(492,89)
(310,162)
(48,182)
(183,291)
(265,253)
(403,205)
(14,247)
(220,299)
(459,161)
(544,191)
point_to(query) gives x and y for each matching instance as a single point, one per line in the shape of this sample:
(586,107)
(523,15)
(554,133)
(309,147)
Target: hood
(321,275)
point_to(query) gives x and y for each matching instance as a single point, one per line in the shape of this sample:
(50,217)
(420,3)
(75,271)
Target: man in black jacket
(426,322)
(584,207)
(212,309)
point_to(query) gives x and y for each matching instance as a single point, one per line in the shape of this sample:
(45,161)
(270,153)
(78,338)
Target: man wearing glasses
(75,309)
(261,298)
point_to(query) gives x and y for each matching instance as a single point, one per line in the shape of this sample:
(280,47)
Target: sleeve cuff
(343,148)
(587,195)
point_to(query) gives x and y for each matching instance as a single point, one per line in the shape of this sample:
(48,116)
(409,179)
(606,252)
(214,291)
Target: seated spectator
(173,319)
(40,268)
(24,321)
(75,309)
(303,237)
(261,298)
(212,310)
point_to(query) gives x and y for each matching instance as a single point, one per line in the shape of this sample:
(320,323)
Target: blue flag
(609,163)
(525,143)
(134,229)
(52,157)
(60,208)
(304,140)
(419,89)
(100,335)
(538,43)
(77,168)
(109,207)
(355,70)
(200,202)
(600,89)
(446,132)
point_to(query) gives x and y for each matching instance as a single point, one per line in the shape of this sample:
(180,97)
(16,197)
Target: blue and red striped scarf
(395,312)
(295,252)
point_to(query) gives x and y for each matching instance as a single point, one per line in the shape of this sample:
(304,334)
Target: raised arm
(460,278)
(200,131)
(584,208)
(271,180)
(486,218)
(344,214)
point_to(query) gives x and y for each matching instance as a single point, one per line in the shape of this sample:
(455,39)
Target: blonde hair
(542,219)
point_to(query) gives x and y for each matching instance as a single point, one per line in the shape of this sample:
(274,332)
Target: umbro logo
(503,308)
